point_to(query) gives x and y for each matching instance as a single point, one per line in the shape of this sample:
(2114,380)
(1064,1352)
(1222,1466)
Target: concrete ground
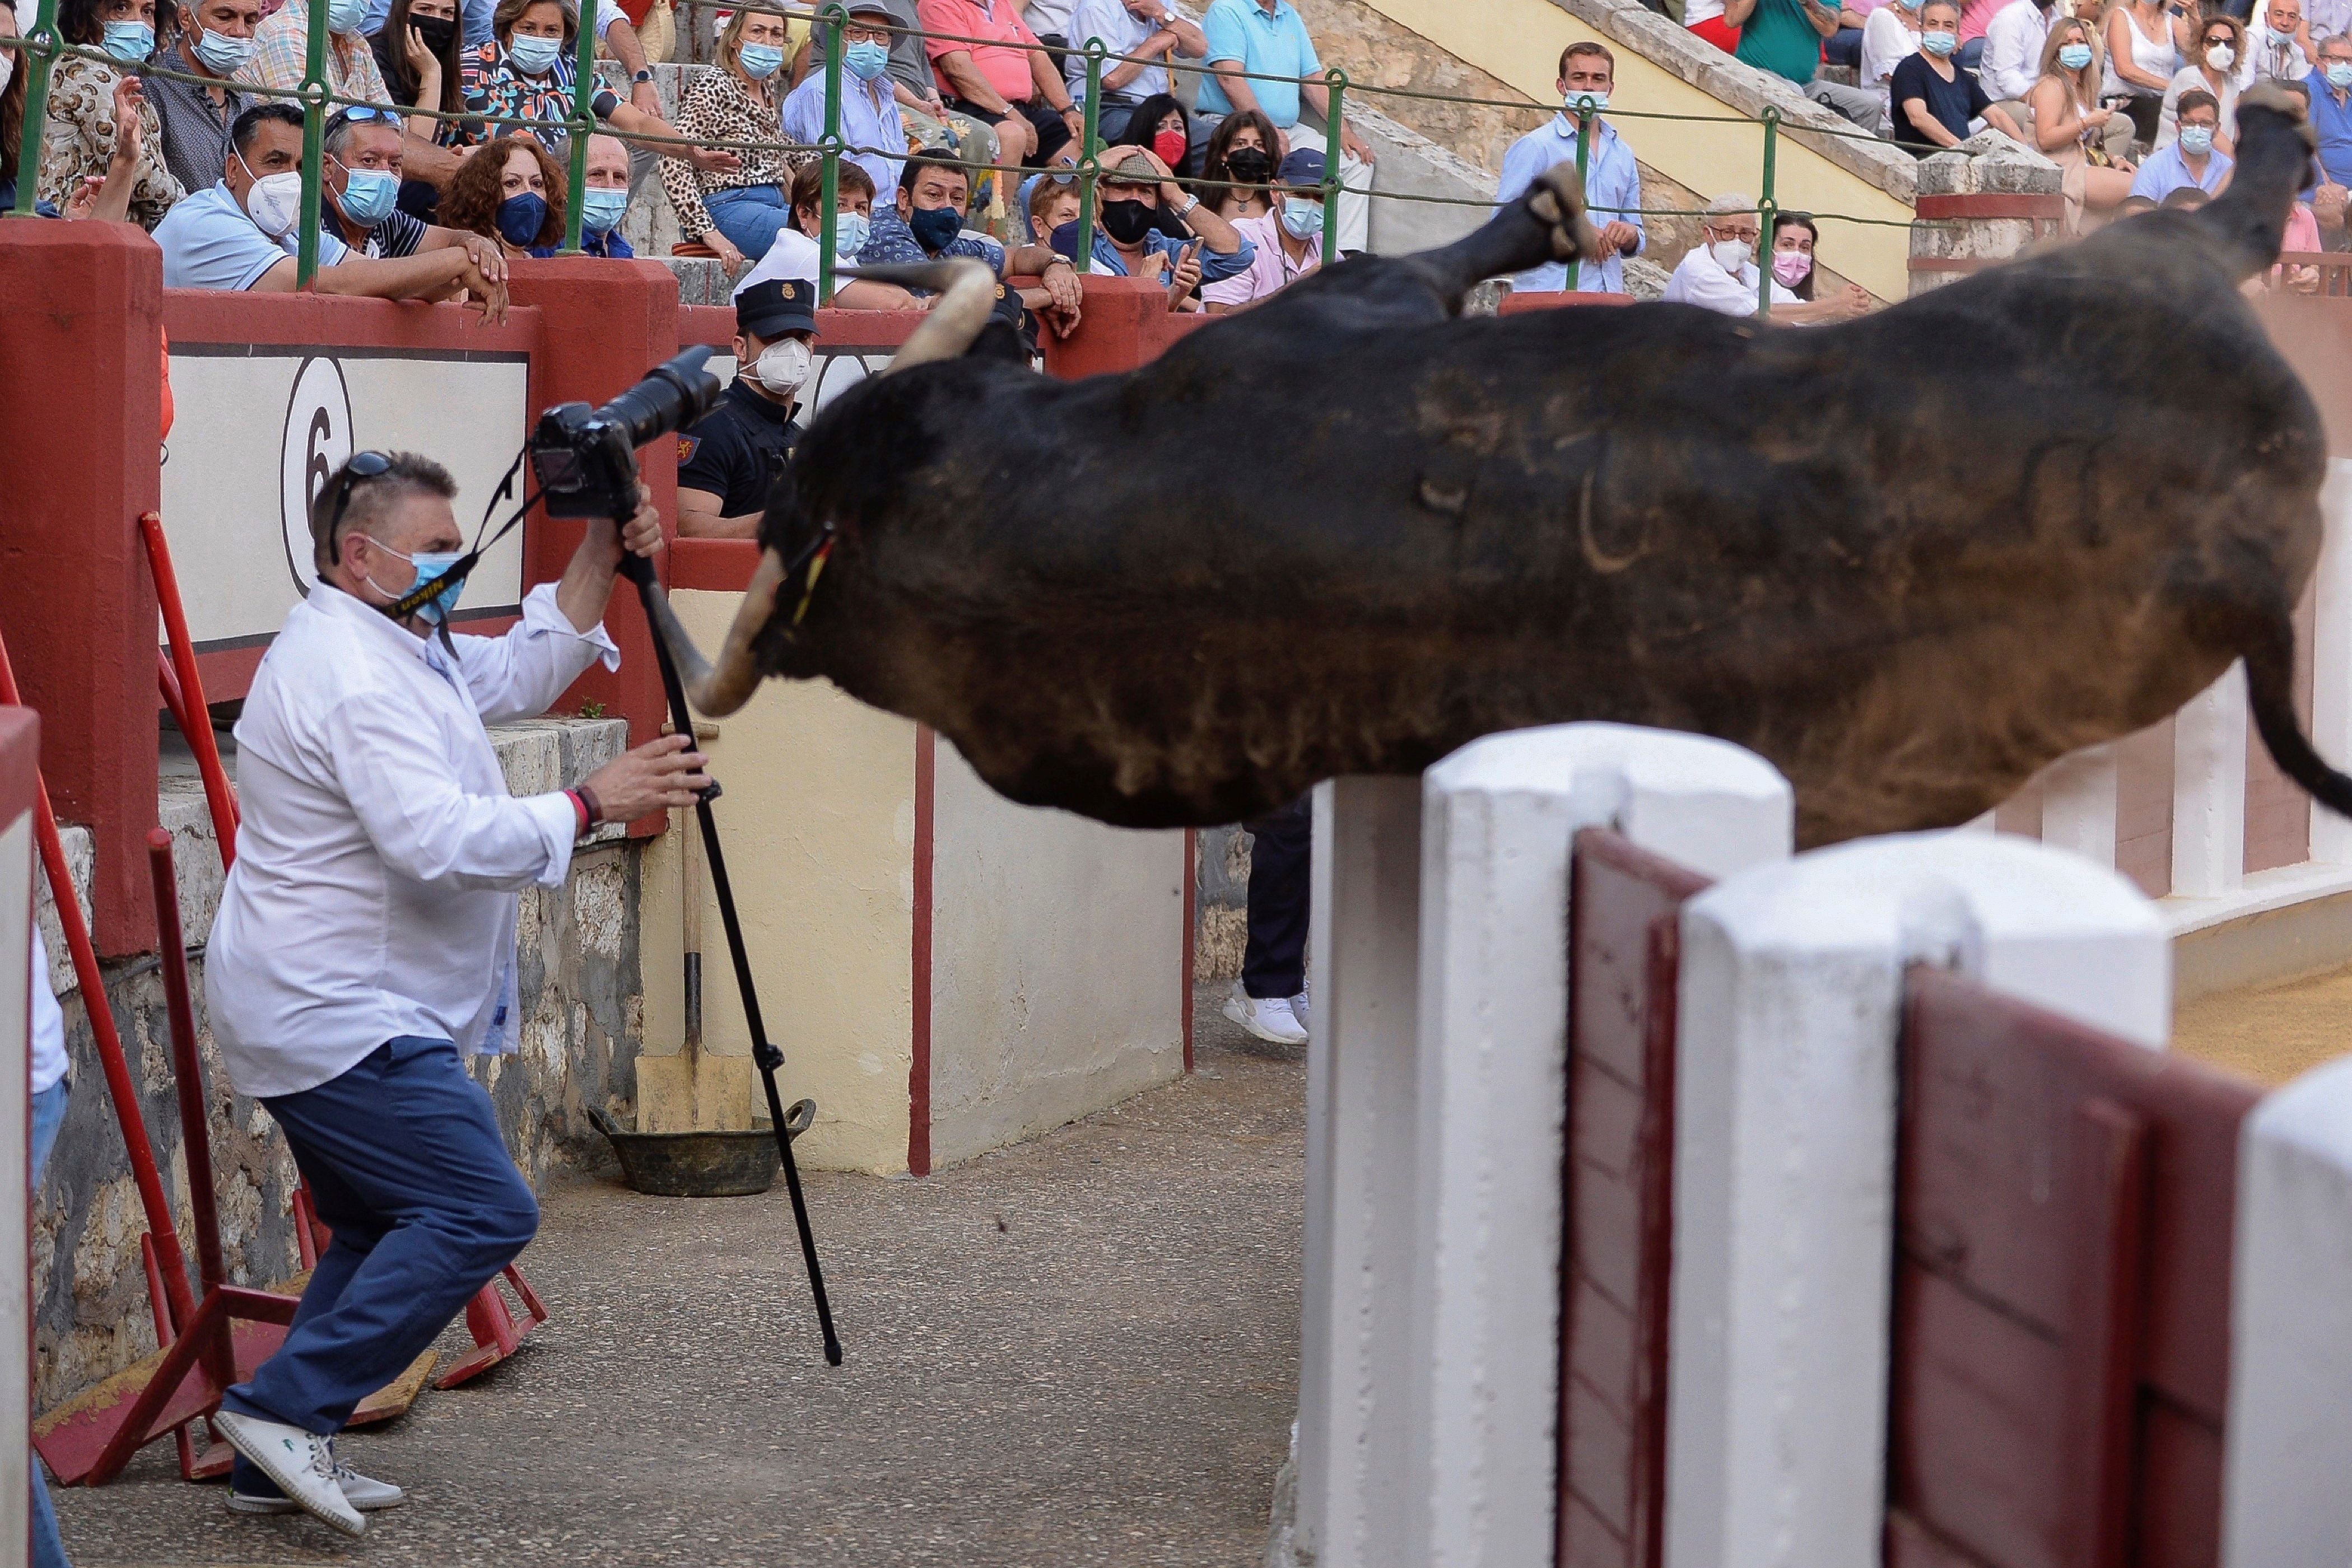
(1082,1351)
(2271,1034)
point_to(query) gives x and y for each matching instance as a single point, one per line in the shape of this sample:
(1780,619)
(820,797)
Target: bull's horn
(715,693)
(967,297)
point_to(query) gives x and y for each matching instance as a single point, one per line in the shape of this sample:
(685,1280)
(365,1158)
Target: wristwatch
(1186,210)
(642,75)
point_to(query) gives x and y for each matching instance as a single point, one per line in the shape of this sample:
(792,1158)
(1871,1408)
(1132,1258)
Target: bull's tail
(2274,147)
(2270,693)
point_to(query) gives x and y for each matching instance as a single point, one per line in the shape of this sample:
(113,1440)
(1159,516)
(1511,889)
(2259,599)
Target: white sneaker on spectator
(1299,1005)
(366,1493)
(1268,1018)
(302,1463)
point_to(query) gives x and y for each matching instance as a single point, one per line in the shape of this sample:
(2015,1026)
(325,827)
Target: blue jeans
(751,217)
(404,1161)
(49,1115)
(1844,47)
(1967,55)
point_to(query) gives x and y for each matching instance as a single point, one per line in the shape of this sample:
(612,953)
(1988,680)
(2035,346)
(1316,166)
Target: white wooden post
(2286,1491)
(18,744)
(1498,819)
(2331,671)
(2209,789)
(1790,1001)
(2078,804)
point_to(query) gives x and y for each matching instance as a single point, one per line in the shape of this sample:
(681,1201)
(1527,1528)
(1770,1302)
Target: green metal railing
(42,49)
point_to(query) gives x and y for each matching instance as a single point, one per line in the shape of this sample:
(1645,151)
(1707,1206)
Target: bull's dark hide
(1910,559)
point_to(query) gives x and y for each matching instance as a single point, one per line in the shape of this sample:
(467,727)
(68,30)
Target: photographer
(366,939)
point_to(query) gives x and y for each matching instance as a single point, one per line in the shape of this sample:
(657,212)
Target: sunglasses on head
(363,465)
(361,114)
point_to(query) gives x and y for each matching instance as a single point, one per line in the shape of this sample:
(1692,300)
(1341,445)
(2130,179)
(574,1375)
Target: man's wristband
(584,801)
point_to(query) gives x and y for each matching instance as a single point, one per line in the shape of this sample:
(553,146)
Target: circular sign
(317,442)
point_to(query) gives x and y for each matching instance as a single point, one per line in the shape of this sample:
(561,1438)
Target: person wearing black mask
(1130,243)
(1239,167)
(927,224)
(419,50)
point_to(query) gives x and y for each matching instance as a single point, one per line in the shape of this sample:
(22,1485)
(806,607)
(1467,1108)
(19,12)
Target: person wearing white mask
(1612,182)
(1719,272)
(240,232)
(2218,65)
(78,137)
(215,44)
(729,459)
(2280,40)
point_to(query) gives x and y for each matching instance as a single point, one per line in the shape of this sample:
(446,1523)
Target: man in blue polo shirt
(1612,183)
(2331,107)
(2191,159)
(1267,38)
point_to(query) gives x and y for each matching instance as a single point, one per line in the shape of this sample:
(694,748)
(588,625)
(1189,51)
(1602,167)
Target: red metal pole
(194,717)
(168,682)
(119,1085)
(187,1071)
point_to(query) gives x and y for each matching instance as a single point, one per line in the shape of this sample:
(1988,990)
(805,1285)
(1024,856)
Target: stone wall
(584,1007)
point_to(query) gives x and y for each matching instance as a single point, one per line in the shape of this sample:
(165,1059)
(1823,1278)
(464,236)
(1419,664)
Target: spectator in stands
(797,251)
(869,109)
(1934,99)
(2012,55)
(736,213)
(1130,243)
(421,54)
(1050,20)
(729,459)
(1718,22)
(1794,235)
(928,121)
(1241,149)
(1784,37)
(1891,34)
(1159,123)
(2194,157)
(282,50)
(927,224)
(13,78)
(242,232)
(107,197)
(526,71)
(2187,199)
(2325,19)
(604,200)
(361,192)
(1140,37)
(2217,62)
(1286,244)
(1011,82)
(1612,184)
(216,43)
(1844,45)
(2331,109)
(510,191)
(1052,201)
(1719,273)
(1976,15)
(1269,37)
(2280,53)
(2142,58)
(2073,129)
(77,140)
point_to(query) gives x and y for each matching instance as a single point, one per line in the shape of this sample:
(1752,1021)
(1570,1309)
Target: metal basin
(702,1164)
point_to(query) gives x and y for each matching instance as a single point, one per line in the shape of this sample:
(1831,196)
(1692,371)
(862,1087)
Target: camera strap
(423,593)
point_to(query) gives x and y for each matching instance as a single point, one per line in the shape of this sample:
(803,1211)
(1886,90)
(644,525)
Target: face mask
(2074,56)
(522,216)
(850,232)
(760,60)
(1791,267)
(430,565)
(782,366)
(1301,218)
(867,62)
(436,31)
(130,42)
(1913,5)
(1127,222)
(2279,40)
(1171,146)
(2221,57)
(602,210)
(274,202)
(1250,165)
(532,57)
(1938,43)
(222,56)
(2339,74)
(1576,101)
(2197,139)
(345,15)
(8,67)
(936,228)
(368,195)
(1731,254)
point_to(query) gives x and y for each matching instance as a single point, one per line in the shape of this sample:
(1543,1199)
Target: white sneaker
(363,1493)
(1298,1006)
(1268,1018)
(302,1463)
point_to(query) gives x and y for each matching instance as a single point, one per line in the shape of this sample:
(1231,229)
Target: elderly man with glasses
(361,179)
(1719,272)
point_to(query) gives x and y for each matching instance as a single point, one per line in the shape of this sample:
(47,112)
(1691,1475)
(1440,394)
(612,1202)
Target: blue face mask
(368,195)
(2074,56)
(1301,217)
(533,56)
(345,15)
(936,228)
(602,210)
(431,565)
(130,42)
(2197,139)
(1939,43)
(222,56)
(865,61)
(520,218)
(2339,75)
(760,60)
(850,232)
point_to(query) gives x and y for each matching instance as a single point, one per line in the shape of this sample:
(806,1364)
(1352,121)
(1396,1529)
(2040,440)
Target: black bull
(1909,560)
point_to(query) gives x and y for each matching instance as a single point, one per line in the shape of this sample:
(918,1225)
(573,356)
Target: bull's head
(968,295)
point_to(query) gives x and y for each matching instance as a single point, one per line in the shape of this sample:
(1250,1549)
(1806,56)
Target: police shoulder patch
(687,447)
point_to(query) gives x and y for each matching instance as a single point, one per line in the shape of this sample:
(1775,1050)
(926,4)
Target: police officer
(728,461)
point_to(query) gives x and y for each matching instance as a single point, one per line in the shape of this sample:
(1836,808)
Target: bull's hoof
(1557,199)
(2278,100)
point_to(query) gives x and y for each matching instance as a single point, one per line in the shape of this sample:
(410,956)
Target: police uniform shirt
(736,450)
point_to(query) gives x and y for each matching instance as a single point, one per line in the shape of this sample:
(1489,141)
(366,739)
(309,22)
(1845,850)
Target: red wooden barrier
(2064,1206)
(1623,946)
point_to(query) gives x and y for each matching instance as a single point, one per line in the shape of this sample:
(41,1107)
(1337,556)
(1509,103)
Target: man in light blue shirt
(2191,159)
(869,105)
(1612,183)
(1268,36)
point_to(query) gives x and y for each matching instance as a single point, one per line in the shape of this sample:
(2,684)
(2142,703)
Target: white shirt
(1122,33)
(375,890)
(793,254)
(1701,280)
(49,1021)
(2012,51)
(1043,16)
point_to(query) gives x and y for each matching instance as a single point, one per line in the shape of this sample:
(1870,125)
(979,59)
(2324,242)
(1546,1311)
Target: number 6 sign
(317,442)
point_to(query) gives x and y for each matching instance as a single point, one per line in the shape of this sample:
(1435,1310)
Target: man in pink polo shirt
(1288,239)
(1013,82)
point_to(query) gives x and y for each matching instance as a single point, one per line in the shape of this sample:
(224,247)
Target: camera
(586,458)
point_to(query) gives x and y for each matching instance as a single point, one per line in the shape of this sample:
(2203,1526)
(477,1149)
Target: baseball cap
(780,304)
(1303,166)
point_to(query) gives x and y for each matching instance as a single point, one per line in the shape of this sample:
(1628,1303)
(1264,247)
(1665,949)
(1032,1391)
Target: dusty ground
(2271,1035)
(1081,1351)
